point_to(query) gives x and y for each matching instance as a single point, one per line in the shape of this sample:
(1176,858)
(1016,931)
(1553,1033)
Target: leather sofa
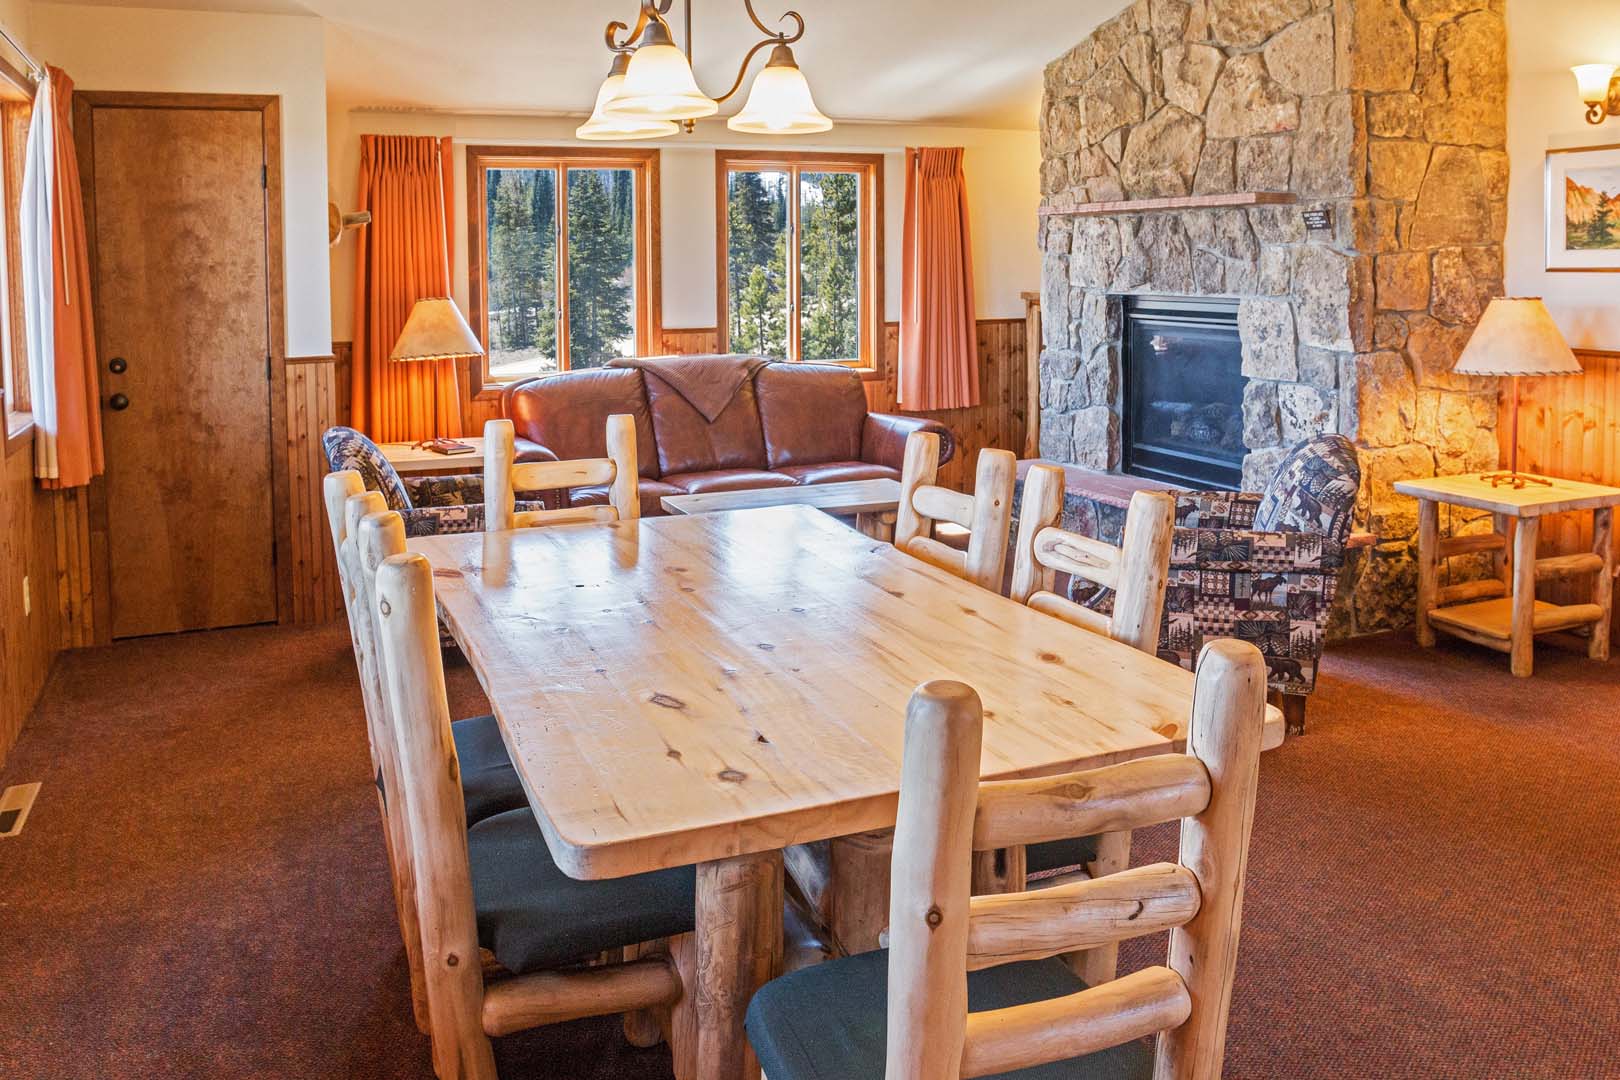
(755,424)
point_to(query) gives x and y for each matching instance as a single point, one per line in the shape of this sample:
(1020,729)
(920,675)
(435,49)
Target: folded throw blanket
(708,383)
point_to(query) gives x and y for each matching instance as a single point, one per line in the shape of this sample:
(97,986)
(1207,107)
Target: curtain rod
(35,68)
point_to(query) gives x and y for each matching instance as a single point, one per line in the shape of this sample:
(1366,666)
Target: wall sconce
(1600,90)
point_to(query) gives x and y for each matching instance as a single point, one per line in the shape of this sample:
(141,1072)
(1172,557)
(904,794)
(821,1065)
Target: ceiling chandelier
(650,91)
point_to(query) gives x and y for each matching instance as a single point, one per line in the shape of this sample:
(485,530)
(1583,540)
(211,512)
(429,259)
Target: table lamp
(1516,336)
(436,331)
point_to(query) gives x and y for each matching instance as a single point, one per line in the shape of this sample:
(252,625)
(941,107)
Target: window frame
(869,170)
(16,110)
(643,163)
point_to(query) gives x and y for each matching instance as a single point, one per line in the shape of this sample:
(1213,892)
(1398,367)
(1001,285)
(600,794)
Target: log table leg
(1500,563)
(1101,965)
(739,948)
(1603,588)
(1523,630)
(879,525)
(1428,567)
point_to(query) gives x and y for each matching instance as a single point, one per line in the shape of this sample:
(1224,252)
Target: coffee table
(1502,613)
(409,460)
(870,502)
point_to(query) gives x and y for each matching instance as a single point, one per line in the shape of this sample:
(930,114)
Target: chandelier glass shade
(780,102)
(655,84)
(606,125)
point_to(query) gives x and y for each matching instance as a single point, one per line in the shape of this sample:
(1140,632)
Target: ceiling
(915,61)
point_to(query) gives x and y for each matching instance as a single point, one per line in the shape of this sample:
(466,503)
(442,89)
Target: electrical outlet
(28,600)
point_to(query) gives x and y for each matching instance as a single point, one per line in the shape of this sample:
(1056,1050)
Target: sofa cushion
(729,480)
(810,413)
(651,492)
(567,413)
(838,472)
(688,442)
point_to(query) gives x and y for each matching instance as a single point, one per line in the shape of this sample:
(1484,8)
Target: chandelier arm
(613,29)
(776,37)
(742,71)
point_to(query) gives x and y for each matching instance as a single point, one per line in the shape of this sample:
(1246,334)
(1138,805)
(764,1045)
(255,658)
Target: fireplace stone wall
(1388,114)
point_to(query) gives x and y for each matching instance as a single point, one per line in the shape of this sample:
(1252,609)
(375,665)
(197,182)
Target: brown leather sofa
(773,425)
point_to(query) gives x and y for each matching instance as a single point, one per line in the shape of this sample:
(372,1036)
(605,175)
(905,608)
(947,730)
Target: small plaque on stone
(1318,220)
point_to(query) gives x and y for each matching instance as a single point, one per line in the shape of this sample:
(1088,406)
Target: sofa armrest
(1255,551)
(883,440)
(528,450)
(1216,509)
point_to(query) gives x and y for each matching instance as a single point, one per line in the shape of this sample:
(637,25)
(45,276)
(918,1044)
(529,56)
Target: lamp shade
(1517,336)
(436,331)
(779,102)
(658,85)
(604,124)
(1593,80)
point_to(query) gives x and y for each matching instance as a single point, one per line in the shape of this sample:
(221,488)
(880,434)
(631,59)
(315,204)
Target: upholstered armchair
(430,505)
(1264,568)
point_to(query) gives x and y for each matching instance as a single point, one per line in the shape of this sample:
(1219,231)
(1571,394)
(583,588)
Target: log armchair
(495,885)
(971,985)
(489,783)
(985,514)
(1136,571)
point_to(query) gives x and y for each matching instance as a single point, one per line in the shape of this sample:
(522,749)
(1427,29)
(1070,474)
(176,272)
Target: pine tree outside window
(800,256)
(561,257)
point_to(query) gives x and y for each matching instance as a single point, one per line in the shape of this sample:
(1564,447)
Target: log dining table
(712,689)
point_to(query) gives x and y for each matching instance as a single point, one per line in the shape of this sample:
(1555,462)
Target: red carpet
(1434,886)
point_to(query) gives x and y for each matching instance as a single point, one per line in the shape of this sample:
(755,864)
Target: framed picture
(1583,208)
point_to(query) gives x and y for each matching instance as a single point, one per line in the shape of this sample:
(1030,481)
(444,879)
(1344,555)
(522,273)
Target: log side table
(1503,613)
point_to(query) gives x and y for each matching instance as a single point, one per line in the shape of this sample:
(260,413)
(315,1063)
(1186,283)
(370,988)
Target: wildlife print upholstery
(429,505)
(1262,568)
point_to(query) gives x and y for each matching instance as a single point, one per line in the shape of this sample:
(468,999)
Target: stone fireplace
(1333,171)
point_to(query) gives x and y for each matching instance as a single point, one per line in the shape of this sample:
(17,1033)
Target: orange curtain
(405,181)
(73,450)
(939,356)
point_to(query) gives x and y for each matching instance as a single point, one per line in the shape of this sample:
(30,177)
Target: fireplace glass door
(1184,392)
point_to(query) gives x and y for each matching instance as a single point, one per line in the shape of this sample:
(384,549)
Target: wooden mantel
(1177,202)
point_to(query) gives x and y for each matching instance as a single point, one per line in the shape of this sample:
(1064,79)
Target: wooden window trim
(649,249)
(869,167)
(16,107)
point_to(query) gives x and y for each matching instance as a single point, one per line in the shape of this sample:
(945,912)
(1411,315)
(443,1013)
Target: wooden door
(179,222)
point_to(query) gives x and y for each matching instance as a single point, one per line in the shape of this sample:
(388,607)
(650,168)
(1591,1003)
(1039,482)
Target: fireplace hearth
(1183,383)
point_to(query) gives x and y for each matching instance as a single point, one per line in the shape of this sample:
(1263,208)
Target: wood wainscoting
(1569,426)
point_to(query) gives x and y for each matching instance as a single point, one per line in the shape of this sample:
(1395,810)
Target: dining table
(708,690)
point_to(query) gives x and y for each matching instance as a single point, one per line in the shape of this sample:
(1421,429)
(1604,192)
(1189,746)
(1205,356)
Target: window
(800,256)
(16,110)
(562,255)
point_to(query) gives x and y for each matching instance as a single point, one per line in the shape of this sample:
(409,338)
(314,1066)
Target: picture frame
(1583,209)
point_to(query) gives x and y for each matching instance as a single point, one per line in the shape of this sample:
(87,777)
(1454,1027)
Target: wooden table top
(417,462)
(683,689)
(1533,500)
(851,497)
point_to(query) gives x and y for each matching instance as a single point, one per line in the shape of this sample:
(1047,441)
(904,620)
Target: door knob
(118,365)
(118,402)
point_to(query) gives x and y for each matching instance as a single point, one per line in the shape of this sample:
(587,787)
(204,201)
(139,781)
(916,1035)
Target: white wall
(1003,176)
(112,48)
(1544,40)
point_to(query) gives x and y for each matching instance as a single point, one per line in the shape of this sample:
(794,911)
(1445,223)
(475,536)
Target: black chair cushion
(533,916)
(828,1022)
(1060,855)
(489,783)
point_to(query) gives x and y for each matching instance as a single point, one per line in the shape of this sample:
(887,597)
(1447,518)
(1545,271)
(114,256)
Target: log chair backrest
(938,931)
